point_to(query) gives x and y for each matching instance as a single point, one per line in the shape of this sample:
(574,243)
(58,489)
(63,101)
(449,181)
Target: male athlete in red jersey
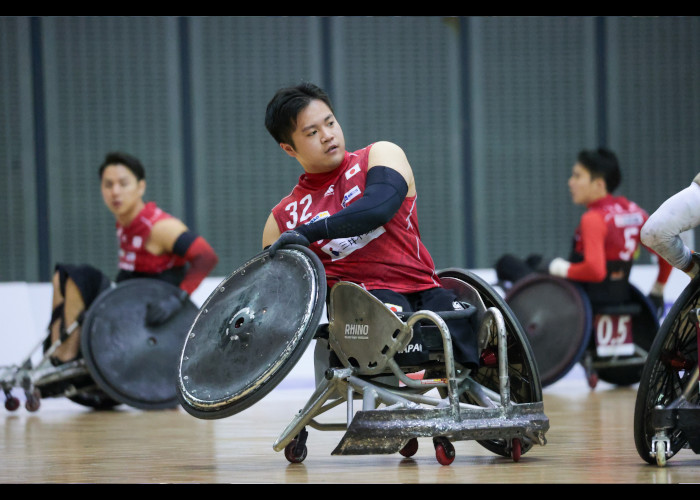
(357,211)
(606,240)
(152,244)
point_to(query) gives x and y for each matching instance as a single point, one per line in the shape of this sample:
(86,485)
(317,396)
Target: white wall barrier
(25,310)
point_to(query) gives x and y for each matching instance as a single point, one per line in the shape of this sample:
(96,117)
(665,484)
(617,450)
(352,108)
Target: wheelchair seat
(364,333)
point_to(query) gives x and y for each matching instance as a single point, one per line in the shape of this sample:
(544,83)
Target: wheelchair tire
(673,354)
(645,326)
(525,385)
(131,362)
(556,317)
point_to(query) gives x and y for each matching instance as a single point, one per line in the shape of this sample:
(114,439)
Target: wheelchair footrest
(689,423)
(387,431)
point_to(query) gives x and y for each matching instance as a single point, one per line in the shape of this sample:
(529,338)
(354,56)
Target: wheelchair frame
(31,378)
(90,380)
(667,408)
(398,409)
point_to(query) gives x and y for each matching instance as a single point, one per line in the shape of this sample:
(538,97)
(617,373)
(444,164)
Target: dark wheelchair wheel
(250,332)
(556,317)
(132,362)
(671,359)
(644,328)
(523,374)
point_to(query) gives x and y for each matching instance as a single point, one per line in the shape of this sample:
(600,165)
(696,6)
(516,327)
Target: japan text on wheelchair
(608,332)
(122,360)
(667,409)
(255,326)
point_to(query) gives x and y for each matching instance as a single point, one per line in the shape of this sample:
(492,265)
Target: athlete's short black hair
(283,109)
(602,163)
(129,161)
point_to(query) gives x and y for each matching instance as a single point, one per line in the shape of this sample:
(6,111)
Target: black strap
(183,243)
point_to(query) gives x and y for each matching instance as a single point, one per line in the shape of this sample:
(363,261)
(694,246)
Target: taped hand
(292,237)
(162,310)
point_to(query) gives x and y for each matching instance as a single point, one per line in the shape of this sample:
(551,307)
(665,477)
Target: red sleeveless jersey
(133,255)
(391,256)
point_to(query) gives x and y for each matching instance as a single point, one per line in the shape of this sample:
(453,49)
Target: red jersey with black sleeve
(391,256)
(133,256)
(608,234)
(190,261)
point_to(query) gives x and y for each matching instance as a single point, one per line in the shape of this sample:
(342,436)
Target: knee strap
(65,332)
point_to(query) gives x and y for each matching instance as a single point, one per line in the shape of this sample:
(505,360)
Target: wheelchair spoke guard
(556,316)
(133,363)
(250,332)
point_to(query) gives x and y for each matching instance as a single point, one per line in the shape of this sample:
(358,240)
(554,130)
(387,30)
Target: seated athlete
(357,211)
(152,244)
(661,233)
(605,242)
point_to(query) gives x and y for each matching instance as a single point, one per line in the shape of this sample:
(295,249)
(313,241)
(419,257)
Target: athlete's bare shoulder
(391,155)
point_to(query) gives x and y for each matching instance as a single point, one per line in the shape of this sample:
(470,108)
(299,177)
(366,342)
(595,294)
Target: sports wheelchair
(122,360)
(564,327)
(255,326)
(667,409)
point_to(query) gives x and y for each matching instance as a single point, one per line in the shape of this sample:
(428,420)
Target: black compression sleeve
(385,190)
(183,242)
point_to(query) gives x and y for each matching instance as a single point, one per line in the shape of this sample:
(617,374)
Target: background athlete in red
(152,244)
(607,240)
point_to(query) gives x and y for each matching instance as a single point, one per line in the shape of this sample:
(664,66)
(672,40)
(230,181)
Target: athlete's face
(583,188)
(122,192)
(319,144)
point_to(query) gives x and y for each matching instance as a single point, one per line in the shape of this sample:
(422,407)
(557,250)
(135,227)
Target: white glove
(559,267)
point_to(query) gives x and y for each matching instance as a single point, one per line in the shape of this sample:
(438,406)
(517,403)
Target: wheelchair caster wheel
(661,453)
(11,403)
(444,451)
(410,449)
(295,454)
(33,401)
(516,449)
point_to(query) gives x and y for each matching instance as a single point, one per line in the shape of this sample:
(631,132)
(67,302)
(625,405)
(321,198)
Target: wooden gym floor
(590,441)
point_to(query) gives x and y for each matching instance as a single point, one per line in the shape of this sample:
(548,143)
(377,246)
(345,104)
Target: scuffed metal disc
(250,332)
(133,363)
